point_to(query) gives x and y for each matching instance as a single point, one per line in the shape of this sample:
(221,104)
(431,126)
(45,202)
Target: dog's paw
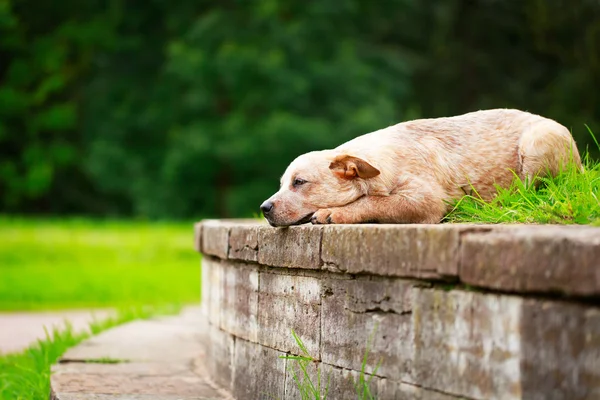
(322,217)
(330,216)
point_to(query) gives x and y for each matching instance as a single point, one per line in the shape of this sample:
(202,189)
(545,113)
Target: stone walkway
(152,359)
(22,329)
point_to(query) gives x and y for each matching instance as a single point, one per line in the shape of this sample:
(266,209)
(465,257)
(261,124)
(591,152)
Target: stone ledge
(537,259)
(431,341)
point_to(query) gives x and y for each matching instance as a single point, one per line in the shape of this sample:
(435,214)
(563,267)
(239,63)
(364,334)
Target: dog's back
(474,151)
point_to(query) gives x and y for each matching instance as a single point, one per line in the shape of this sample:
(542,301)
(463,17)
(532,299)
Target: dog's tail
(547,148)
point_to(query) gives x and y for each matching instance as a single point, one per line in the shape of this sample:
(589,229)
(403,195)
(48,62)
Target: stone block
(357,313)
(467,343)
(219,359)
(387,389)
(341,383)
(183,386)
(560,351)
(420,251)
(259,372)
(122,368)
(294,374)
(243,242)
(542,259)
(198,237)
(239,300)
(214,284)
(215,238)
(293,247)
(289,302)
(336,383)
(206,266)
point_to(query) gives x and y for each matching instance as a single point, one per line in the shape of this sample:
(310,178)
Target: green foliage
(363,386)
(26,375)
(48,264)
(572,197)
(309,390)
(194,108)
(310,383)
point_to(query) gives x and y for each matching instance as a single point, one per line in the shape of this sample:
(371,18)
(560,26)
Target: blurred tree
(244,88)
(195,108)
(45,48)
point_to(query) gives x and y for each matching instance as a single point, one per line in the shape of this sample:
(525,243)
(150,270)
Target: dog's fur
(410,172)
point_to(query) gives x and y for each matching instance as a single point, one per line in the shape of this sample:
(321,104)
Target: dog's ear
(349,167)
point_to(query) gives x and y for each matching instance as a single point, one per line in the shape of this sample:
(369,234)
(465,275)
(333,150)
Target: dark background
(190,108)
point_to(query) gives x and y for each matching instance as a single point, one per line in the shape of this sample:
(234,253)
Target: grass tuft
(363,386)
(572,197)
(299,369)
(310,390)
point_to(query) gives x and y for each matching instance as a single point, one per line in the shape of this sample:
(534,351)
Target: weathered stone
(433,343)
(215,238)
(467,343)
(259,372)
(243,242)
(361,313)
(198,237)
(387,389)
(294,247)
(341,383)
(316,374)
(122,367)
(214,283)
(289,303)
(239,300)
(112,383)
(206,267)
(545,259)
(218,362)
(560,351)
(420,251)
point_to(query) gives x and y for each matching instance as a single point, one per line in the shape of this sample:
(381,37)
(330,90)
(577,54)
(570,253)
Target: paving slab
(160,358)
(22,329)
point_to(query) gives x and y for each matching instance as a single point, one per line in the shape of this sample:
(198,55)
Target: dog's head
(316,180)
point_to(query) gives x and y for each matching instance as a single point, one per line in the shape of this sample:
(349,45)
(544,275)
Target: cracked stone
(353,316)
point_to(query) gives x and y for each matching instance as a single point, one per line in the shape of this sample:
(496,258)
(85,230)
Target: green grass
(140,268)
(572,197)
(52,264)
(314,388)
(26,375)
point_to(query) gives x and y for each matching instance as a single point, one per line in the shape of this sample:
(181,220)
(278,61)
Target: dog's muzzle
(267,208)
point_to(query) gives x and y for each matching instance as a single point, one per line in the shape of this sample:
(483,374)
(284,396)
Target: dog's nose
(266,207)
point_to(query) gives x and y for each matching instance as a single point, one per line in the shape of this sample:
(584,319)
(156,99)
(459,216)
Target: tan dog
(410,172)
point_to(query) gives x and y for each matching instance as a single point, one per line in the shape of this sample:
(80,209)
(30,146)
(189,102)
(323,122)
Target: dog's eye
(298,182)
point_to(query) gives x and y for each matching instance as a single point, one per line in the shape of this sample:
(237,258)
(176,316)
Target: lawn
(140,268)
(51,264)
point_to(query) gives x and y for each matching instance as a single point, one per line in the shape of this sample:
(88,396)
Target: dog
(412,172)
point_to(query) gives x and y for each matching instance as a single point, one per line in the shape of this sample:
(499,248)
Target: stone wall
(454,311)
